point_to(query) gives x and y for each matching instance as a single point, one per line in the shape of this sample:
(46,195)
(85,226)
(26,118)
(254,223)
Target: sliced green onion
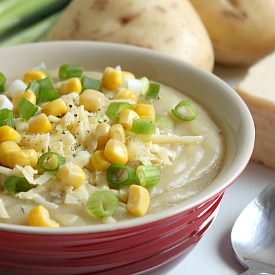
(185,110)
(153,91)
(143,126)
(148,176)
(164,122)
(2,82)
(119,175)
(42,68)
(115,108)
(6,117)
(46,92)
(33,86)
(69,70)
(145,85)
(15,185)
(26,109)
(89,83)
(50,161)
(102,203)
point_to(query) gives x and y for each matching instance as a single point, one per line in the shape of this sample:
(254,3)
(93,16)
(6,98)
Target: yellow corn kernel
(111,79)
(70,85)
(126,118)
(39,216)
(39,124)
(56,107)
(7,147)
(18,158)
(8,133)
(138,200)
(117,132)
(116,152)
(71,174)
(127,75)
(102,134)
(145,111)
(98,161)
(33,75)
(92,100)
(32,156)
(28,95)
(126,94)
(11,155)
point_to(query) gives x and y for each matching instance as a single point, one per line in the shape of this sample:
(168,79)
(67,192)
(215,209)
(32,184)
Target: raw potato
(169,26)
(258,91)
(242,31)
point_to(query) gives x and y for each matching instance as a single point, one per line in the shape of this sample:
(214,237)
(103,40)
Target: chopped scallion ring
(153,91)
(46,92)
(69,70)
(26,109)
(6,117)
(119,175)
(115,108)
(148,176)
(102,203)
(185,110)
(89,83)
(164,122)
(145,85)
(15,185)
(51,161)
(2,82)
(143,126)
(33,86)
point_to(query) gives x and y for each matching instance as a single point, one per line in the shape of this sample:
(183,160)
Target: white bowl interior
(225,106)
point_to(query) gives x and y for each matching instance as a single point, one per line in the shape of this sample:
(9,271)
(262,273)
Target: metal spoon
(253,234)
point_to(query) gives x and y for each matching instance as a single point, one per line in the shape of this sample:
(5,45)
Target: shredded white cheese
(28,172)
(171,139)
(38,142)
(37,198)
(6,171)
(82,158)
(76,196)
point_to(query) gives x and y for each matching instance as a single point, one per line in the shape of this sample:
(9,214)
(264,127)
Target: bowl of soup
(113,159)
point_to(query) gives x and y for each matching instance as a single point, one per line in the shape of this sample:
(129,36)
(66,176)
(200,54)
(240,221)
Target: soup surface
(92,148)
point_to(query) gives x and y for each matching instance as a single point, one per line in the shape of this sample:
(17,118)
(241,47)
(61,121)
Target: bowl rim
(191,202)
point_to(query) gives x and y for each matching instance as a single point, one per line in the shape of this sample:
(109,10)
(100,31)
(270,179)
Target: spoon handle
(255,272)
(249,272)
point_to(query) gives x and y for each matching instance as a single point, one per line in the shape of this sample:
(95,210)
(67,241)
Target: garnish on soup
(80,148)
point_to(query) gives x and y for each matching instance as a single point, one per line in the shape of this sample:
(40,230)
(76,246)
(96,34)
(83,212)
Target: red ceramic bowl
(142,244)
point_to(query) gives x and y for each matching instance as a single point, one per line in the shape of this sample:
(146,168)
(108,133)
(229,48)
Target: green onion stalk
(17,14)
(33,33)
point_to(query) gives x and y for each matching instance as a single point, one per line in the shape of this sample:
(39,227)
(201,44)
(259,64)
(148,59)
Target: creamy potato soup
(80,148)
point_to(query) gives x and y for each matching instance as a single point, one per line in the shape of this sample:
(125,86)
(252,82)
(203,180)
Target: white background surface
(214,255)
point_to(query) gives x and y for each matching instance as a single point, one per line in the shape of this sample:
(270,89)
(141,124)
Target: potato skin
(169,26)
(241,31)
